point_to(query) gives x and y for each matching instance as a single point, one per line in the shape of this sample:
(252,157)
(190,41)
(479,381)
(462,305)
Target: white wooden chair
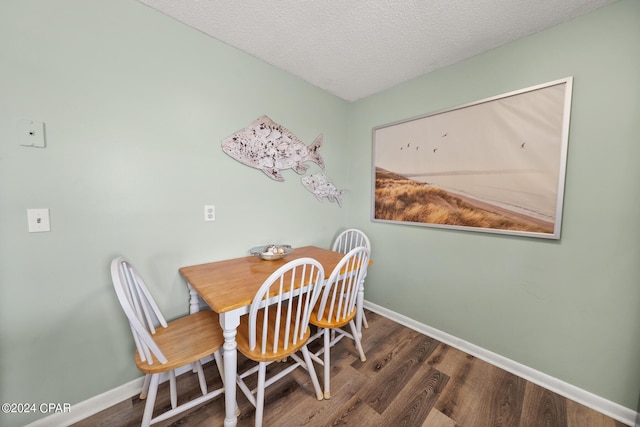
(336,308)
(347,240)
(164,347)
(277,326)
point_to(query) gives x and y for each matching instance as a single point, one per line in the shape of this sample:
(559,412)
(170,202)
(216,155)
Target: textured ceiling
(355,48)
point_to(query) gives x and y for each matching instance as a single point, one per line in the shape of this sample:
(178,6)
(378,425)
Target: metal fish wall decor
(270,147)
(320,185)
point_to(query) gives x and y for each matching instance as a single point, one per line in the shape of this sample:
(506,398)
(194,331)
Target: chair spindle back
(139,307)
(339,295)
(289,294)
(349,239)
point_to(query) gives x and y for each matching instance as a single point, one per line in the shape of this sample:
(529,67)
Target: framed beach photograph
(495,165)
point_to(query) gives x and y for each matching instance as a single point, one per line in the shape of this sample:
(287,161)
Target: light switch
(38,220)
(31,133)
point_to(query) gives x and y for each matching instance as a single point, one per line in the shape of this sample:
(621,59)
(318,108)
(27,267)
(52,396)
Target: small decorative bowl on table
(271,252)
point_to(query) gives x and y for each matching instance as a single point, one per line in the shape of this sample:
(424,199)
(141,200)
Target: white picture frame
(496,165)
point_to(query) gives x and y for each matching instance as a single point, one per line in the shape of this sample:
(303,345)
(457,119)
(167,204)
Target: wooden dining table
(228,287)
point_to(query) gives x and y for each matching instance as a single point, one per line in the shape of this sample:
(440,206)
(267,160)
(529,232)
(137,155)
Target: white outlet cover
(209,213)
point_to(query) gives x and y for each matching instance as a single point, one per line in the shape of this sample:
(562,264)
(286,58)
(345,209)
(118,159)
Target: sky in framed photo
(505,151)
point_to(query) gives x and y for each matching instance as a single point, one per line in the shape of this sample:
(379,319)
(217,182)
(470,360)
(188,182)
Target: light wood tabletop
(231,284)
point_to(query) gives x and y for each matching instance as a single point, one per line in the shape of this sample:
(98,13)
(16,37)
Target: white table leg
(229,323)
(360,308)
(194,300)
(194,306)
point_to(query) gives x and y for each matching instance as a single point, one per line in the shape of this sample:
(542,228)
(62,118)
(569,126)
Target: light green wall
(135,106)
(569,308)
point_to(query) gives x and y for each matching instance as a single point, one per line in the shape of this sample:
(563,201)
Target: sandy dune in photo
(401,199)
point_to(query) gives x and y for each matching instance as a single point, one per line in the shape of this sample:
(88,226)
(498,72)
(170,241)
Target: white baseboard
(618,412)
(91,406)
(590,400)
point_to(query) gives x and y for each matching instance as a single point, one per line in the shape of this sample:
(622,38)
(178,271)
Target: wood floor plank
(495,396)
(416,399)
(346,384)
(447,359)
(355,412)
(382,335)
(388,351)
(438,419)
(579,415)
(279,403)
(387,386)
(506,397)
(543,408)
(461,398)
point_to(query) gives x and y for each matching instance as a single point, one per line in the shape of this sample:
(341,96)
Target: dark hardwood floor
(408,379)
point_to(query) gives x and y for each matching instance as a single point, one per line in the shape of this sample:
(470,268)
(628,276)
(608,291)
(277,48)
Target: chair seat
(185,340)
(327,323)
(242,339)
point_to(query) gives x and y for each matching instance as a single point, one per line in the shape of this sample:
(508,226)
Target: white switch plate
(31,133)
(209,213)
(38,220)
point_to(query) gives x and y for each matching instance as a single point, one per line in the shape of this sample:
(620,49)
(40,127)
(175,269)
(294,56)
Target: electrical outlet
(209,213)
(38,220)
